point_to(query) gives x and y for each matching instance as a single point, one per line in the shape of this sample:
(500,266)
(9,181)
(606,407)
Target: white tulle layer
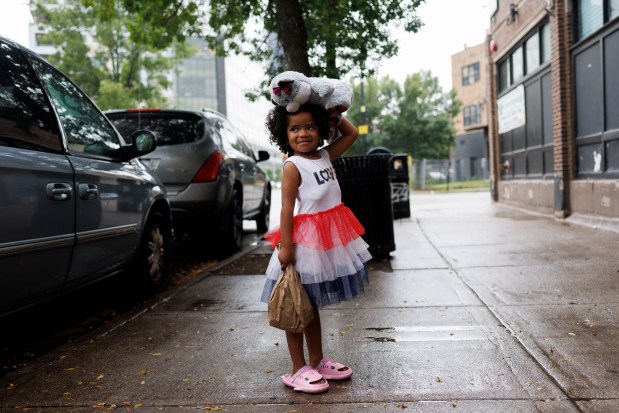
(329,276)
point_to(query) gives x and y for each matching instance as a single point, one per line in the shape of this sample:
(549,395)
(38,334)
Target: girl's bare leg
(295,347)
(313,338)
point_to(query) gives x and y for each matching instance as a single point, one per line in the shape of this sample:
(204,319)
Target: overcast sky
(449,25)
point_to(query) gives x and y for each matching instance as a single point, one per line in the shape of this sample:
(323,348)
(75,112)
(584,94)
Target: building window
(590,16)
(472,114)
(525,58)
(593,14)
(470,74)
(517,65)
(545,43)
(505,80)
(531,47)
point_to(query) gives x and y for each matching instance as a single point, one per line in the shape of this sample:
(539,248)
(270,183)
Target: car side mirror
(263,156)
(142,142)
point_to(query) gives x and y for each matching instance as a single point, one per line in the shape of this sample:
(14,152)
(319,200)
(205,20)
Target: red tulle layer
(322,230)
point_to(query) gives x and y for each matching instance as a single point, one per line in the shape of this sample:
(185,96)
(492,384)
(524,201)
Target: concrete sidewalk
(483,308)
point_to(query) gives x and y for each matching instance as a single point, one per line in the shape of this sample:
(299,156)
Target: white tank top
(319,189)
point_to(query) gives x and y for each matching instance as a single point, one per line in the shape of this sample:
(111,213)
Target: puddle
(380,339)
(380,329)
(427,333)
(203,304)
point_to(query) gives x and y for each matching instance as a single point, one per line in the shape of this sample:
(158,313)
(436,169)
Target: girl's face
(303,135)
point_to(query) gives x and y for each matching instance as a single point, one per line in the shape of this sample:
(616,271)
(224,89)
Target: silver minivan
(209,169)
(76,204)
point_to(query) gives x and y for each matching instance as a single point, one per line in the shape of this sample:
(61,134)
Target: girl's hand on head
(286,256)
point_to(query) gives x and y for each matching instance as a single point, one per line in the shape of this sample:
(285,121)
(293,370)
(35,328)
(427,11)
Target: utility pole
(363,127)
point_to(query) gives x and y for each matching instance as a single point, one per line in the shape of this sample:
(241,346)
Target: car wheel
(152,264)
(233,234)
(262,222)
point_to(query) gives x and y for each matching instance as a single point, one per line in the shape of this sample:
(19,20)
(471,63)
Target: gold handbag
(289,306)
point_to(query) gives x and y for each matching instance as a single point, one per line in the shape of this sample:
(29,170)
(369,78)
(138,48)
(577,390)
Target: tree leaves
(113,49)
(415,118)
(319,38)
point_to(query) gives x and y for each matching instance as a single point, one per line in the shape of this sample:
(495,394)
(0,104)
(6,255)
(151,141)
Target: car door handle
(59,191)
(88,191)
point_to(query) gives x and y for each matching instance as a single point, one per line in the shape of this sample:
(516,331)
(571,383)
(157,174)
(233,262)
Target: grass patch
(476,185)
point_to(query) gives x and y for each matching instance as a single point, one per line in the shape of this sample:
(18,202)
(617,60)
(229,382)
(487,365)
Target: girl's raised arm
(340,145)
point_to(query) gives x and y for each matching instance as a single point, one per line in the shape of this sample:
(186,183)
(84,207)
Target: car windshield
(169,128)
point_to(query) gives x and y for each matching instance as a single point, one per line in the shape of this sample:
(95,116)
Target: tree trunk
(331,68)
(292,34)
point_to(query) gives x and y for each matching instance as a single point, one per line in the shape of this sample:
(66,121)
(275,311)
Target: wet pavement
(482,308)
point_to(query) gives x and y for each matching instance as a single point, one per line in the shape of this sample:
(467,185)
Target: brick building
(470,81)
(554,112)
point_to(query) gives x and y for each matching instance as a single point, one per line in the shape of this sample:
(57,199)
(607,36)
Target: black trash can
(400,191)
(366,189)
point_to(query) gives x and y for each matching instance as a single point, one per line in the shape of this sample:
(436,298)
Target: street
(481,308)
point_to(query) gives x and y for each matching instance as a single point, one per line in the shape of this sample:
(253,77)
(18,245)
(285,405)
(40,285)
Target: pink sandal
(306,380)
(332,370)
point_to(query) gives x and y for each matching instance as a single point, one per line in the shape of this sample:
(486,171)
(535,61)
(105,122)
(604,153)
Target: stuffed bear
(292,89)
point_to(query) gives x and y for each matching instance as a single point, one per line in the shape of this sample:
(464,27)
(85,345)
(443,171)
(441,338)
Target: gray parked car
(209,170)
(76,205)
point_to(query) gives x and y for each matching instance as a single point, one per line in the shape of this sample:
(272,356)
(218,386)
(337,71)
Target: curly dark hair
(277,124)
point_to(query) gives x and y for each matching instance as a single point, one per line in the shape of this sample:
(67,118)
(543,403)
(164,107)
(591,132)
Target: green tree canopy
(316,37)
(96,49)
(415,119)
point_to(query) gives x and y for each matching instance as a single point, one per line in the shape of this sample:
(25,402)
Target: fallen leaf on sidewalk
(454,403)
(438,380)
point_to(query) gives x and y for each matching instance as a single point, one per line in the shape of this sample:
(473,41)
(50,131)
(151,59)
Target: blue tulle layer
(325,293)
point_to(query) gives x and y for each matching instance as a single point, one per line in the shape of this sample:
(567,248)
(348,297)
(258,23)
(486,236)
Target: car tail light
(210,169)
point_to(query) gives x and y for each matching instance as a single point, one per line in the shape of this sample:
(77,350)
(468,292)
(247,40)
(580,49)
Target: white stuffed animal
(292,89)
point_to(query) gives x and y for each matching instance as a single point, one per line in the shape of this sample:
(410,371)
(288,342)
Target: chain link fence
(428,173)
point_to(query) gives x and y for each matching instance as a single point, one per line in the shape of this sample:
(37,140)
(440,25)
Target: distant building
(469,80)
(207,81)
(554,112)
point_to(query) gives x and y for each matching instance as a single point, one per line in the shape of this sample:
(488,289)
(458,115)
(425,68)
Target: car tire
(152,260)
(232,236)
(262,221)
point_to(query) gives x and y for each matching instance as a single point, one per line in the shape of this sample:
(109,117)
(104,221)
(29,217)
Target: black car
(76,205)
(209,169)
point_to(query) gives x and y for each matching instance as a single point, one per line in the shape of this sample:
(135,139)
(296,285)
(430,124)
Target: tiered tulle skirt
(330,256)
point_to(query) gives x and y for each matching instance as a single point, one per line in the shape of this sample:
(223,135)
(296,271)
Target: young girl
(318,234)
